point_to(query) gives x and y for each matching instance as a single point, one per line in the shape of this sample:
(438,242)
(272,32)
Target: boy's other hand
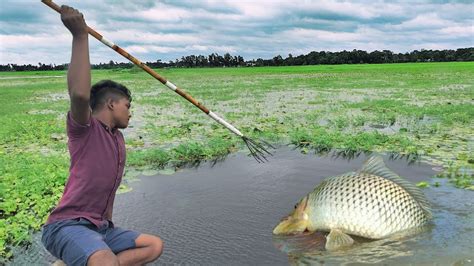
(74,21)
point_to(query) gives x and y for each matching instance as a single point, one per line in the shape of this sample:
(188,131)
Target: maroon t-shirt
(97,163)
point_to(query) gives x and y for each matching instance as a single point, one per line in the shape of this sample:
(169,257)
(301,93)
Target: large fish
(373,203)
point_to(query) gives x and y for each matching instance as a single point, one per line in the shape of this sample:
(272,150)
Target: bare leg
(58,263)
(103,258)
(148,249)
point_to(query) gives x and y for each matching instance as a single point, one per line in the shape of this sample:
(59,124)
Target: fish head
(296,222)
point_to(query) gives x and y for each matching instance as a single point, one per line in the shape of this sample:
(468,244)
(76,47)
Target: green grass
(423,109)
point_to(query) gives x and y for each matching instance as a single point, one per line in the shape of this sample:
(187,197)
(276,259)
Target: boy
(79,230)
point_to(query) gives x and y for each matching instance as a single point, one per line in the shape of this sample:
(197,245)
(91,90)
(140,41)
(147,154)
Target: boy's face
(121,112)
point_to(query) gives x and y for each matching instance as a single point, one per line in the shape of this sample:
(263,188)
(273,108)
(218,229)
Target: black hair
(105,89)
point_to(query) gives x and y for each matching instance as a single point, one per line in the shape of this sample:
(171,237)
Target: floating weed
(460,176)
(131,174)
(167,171)
(359,121)
(149,172)
(423,184)
(324,140)
(341,122)
(32,186)
(124,188)
(155,157)
(194,153)
(190,153)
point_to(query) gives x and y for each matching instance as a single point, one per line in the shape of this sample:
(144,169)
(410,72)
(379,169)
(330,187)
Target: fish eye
(296,205)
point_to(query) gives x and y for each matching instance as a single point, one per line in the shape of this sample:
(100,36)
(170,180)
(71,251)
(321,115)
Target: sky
(31,32)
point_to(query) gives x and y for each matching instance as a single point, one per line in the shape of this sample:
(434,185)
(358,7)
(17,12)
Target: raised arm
(79,73)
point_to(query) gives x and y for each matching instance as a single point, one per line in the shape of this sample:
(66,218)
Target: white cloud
(460,31)
(252,29)
(26,49)
(139,36)
(163,12)
(319,35)
(430,20)
(31,41)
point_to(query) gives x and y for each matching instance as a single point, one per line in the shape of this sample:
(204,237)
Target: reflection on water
(300,244)
(224,214)
(309,248)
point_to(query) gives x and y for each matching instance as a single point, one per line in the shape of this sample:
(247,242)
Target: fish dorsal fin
(376,166)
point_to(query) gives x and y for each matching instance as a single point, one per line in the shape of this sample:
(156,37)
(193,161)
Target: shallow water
(224,214)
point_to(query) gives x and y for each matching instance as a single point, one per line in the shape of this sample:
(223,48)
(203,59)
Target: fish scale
(364,205)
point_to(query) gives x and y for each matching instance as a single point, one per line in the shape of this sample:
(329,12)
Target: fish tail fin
(336,239)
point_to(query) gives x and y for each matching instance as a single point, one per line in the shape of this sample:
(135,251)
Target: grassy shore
(423,110)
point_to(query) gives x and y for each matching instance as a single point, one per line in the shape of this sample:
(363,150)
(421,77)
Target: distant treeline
(312,58)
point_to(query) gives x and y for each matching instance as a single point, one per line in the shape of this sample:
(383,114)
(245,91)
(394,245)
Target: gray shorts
(74,241)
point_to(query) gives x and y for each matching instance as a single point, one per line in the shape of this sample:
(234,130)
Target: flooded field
(419,109)
(224,214)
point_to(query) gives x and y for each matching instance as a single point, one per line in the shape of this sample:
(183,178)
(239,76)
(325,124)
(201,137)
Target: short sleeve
(76,130)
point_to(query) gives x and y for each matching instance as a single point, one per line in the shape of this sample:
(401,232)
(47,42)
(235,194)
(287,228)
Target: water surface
(224,214)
